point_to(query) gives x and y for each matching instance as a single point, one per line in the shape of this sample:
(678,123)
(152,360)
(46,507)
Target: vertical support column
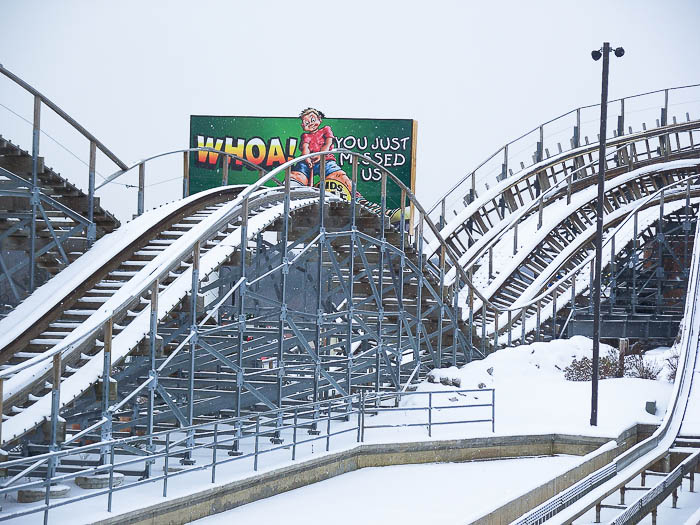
(664,122)
(660,262)
(243,248)
(153,372)
(419,295)
(634,258)
(351,277)
(319,283)
(106,431)
(613,276)
(554,313)
(442,302)
(380,274)
(188,460)
(2,382)
(283,294)
(142,189)
(36,132)
(55,406)
(470,335)
(91,233)
(185,174)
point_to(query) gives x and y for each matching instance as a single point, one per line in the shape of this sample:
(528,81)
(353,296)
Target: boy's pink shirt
(317,139)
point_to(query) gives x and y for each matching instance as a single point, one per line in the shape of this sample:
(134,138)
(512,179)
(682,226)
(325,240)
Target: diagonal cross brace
(221,357)
(314,356)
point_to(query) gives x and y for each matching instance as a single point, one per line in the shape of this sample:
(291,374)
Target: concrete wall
(225,497)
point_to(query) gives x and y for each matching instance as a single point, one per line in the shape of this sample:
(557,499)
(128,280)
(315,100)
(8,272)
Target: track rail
(578,499)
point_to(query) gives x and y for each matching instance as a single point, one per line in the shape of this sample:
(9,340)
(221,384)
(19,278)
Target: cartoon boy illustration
(317,139)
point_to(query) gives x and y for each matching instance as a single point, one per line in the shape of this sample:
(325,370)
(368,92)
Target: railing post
(142,189)
(294,433)
(111,477)
(257,441)
(165,465)
(91,233)
(493,410)
(224,177)
(510,327)
(554,313)
(36,132)
(430,414)
(186,174)
(213,454)
(361,421)
(328,426)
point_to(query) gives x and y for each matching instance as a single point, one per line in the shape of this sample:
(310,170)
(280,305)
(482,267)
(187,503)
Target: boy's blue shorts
(303,167)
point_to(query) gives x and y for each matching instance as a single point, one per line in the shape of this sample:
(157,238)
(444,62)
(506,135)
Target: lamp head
(596,54)
(619,52)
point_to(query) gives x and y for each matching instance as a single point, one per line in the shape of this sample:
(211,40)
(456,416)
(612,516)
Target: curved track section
(561,175)
(540,252)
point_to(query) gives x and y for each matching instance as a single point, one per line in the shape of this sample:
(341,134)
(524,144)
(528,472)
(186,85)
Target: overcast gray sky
(473,74)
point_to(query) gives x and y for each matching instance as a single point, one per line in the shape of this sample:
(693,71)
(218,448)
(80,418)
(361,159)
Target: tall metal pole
(599,234)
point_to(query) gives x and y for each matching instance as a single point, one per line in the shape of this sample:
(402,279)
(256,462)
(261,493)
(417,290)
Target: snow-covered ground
(533,397)
(439,493)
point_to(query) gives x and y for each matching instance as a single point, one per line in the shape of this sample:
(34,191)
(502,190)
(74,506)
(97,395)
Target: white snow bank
(533,397)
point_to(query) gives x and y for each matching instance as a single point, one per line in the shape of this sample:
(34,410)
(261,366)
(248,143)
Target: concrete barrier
(231,495)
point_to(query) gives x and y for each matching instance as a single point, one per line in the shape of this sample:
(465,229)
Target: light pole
(597,54)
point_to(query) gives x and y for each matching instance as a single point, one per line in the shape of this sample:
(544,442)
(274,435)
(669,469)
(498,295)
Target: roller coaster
(269,299)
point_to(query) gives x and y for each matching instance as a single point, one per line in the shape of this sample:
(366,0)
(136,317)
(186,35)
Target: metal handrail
(504,148)
(65,116)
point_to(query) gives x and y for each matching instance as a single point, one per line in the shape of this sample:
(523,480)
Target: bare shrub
(582,369)
(637,366)
(609,367)
(672,364)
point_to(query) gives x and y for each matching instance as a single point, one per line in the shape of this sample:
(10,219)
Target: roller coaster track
(485,215)
(672,435)
(380,315)
(551,247)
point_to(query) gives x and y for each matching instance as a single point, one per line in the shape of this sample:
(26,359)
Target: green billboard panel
(271,141)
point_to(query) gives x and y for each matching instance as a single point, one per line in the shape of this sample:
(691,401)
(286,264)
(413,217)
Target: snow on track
(125,341)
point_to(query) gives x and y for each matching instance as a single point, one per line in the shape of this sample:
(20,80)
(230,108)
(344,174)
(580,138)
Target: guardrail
(237,439)
(533,146)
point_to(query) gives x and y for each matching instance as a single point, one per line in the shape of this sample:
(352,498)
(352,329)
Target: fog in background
(473,74)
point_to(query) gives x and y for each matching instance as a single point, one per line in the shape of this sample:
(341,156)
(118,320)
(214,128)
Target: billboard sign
(271,141)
